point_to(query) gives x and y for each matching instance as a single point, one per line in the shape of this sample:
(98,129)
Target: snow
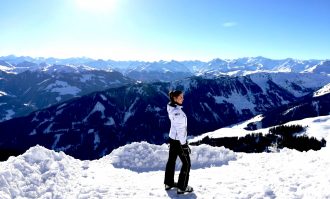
(261,80)
(317,127)
(136,170)
(231,131)
(224,132)
(144,157)
(39,173)
(304,80)
(46,80)
(241,102)
(59,112)
(48,129)
(5,68)
(316,106)
(287,80)
(96,140)
(324,90)
(61,106)
(9,115)
(112,82)
(86,77)
(103,97)
(110,121)
(130,111)
(2,93)
(63,88)
(291,110)
(215,115)
(34,132)
(98,107)
(153,109)
(96,137)
(57,136)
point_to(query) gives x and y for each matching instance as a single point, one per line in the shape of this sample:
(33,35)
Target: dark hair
(174,94)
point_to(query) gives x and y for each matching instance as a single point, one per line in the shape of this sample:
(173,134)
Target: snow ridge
(324,90)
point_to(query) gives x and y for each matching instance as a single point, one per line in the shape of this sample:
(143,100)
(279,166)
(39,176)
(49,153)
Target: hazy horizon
(109,59)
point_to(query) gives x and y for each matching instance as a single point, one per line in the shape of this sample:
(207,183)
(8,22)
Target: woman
(178,145)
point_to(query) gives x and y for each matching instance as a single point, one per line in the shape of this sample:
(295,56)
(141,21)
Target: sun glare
(96,5)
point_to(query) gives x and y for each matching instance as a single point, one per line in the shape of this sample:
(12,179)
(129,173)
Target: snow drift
(38,173)
(147,157)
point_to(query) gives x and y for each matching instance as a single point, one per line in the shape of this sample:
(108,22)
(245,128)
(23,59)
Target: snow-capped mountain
(95,124)
(215,65)
(159,71)
(248,65)
(29,91)
(5,64)
(313,105)
(121,66)
(14,60)
(172,70)
(322,67)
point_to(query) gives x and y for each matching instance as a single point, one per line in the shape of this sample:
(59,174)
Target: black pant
(175,151)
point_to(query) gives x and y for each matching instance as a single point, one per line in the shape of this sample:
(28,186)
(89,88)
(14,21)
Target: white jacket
(178,119)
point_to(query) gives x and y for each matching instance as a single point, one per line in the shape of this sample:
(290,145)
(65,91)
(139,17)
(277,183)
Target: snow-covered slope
(322,67)
(237,130)
(29,91)
(316,127)
(312,105)
(5,66)
(323,91)
(296,83)
(137,171)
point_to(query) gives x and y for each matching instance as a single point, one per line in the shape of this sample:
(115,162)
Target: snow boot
(168,187)
(187,190)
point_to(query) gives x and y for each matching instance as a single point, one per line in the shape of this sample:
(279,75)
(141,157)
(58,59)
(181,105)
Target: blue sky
(166,29)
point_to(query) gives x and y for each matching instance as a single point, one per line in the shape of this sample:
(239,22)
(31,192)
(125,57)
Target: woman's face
(179,99)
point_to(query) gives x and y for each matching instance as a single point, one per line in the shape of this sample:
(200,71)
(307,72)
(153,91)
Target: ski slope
(137,171)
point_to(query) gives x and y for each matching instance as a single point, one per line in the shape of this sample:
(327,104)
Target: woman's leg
(170,166)
(185,169)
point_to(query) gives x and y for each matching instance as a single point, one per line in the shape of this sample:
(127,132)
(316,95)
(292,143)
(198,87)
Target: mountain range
(93,125)
(28,84)
(28,91)
(312,105)
(144,71)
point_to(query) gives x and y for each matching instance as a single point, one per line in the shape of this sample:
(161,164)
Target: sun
(96,5)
